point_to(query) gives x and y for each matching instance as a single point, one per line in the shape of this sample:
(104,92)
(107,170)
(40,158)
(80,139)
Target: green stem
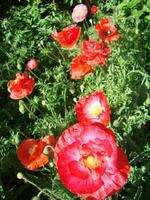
(34,75)
(44,191)
(133,144)
(30,112)
(32,183)
(55,59)
(86,23)
(65,102)
(36,107)
(85,29)
(59,52)
(138,156)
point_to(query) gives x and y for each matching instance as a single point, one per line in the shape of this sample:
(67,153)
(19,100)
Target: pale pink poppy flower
(79,13)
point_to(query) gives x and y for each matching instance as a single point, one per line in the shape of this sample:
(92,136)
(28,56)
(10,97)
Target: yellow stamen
(96,110)
(91,162)
(16,80)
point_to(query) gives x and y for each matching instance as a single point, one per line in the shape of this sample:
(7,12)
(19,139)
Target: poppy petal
(68,37)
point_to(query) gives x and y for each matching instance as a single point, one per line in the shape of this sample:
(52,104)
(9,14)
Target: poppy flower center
(80,13)
(108,33)
(16,81)
(95,110)
(91,162)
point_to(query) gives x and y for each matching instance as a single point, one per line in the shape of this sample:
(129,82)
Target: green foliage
(62,192)
(36,23)
(25,32)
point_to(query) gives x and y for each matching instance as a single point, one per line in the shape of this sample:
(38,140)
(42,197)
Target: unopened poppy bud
(79,13)
(94,9)
(43,102)
(20,175)
(32,64)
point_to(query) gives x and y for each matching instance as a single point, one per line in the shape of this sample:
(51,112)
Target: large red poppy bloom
(21,87)
(107,31)
(68,37)
(30,154)
(89,162)
(95,52)
(79,67)
(93,108)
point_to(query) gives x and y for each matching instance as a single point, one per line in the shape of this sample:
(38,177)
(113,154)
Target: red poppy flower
(32,64)
(107,31)
(68,37)
(79,67)
(95,52)
(93,108)
(21,87)
(94,9)
(30,153)
(89,162)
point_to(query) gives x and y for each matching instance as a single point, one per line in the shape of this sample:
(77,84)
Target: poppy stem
(41,192)
(46,151)
(51,56)
(59,52)
(36,107)
(65,91)
(45,191)
(27,99)
(34,75)
(30,112)
(32,183)
(84,27)
(86,23)
(53,114)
